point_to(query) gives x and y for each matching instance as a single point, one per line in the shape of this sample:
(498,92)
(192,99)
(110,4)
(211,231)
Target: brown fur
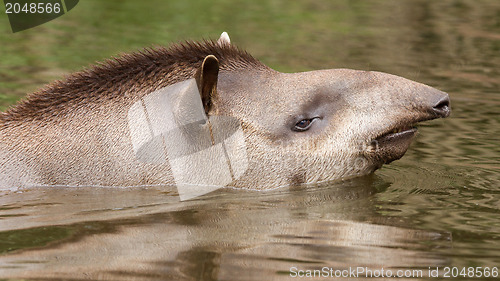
(140,72)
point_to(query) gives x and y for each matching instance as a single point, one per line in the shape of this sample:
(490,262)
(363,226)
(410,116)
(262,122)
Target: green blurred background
(449,180)
(441,43)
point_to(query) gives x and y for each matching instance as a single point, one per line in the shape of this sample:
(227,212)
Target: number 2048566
(471,272)
(32,8)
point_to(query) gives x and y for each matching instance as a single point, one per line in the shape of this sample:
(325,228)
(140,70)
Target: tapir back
(75,132)
(87,147)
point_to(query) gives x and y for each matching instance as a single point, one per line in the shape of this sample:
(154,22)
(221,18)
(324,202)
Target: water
(436,207)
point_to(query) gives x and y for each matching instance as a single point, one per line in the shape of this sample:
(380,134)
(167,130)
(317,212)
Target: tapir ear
(224,39)
(206,77)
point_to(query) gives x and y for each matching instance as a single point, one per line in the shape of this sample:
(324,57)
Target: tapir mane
(137,73)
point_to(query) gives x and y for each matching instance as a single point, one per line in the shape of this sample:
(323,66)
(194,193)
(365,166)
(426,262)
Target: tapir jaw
(393,145)
(393,142)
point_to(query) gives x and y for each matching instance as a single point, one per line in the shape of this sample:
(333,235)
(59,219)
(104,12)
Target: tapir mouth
(397,134)
(393,143)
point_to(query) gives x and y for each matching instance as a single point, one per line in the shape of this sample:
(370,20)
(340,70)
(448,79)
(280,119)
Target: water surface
(438,206)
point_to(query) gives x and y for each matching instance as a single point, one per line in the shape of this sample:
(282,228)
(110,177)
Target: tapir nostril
(442,107)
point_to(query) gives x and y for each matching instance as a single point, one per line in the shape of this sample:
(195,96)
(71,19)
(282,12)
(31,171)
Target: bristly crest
(140,73)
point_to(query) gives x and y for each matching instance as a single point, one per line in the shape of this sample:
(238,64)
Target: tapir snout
(440,105)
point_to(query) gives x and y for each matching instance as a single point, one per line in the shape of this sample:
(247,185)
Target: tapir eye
(303,125)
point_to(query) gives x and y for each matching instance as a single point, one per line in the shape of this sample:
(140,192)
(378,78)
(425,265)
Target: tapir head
(317,126)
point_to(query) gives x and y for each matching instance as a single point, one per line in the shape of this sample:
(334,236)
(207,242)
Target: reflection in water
(148,234)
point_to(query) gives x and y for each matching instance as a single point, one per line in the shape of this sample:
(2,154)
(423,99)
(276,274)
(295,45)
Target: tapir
(295,128)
